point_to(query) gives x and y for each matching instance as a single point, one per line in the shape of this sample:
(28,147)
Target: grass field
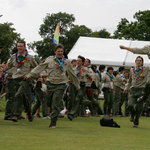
(79,134)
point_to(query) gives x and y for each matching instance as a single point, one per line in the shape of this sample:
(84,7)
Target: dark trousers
(55,94)
(22,96)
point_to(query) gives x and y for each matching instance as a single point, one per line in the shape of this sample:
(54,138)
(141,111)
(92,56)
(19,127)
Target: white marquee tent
(107,52)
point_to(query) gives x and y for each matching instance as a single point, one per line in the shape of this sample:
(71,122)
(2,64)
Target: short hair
(101,67)
(81,57)
(121,68)
(88,60)
(115,73)
(126,71)
(1,47)
(74,60)
(141,58)
(23,43)
(59,46)
(109,68)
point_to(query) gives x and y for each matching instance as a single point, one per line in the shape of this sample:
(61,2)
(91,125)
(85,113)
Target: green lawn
(79,134)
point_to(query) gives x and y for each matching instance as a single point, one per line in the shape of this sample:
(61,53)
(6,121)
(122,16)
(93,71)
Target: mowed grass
(79,134)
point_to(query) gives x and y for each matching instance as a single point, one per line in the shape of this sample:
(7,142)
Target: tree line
(69,33)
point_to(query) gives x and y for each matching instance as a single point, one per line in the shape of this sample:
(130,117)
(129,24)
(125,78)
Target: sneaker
(47,117)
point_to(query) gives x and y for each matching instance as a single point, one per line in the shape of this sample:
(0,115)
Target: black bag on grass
(108,122)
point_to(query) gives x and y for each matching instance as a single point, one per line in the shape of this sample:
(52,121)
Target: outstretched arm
(127,48)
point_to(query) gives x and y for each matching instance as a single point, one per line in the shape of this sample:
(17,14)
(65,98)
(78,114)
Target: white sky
(27,15)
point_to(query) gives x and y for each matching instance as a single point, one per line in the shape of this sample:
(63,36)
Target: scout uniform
(71,100)
(98,80)
(144,50)
(90,91)
(56,80)
(118,81)
(21,66)
(136,83)
(124,97)
(10,95)
(146,107)
(107,79)
(41,99)
(82,74)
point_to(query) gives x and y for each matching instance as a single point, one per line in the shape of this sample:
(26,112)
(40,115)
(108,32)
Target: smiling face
(79,62)
(59,53)
(21,48)
(139,62)
(110,71)
(86,63)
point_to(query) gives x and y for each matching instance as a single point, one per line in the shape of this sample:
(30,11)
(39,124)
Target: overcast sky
(27,15)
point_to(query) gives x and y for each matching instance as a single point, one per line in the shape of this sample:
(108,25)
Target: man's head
(87,62)
(126,74)
(80,61)
(40,79)
(102,68)
(74,63)
(121,69)
(59,51)
(139,61)
(21,47)
(110,70)
(0,49)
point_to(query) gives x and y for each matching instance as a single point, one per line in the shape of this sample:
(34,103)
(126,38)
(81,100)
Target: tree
(45,47)
(8,39)
(73,34)
(137,30)
(102,34)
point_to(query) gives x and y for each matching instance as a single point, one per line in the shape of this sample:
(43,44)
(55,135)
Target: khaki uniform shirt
(10,73)
(118,80)
(25,68)
(107,82)
(144,50)
(54,73)
(84,74)
(123,84)
(97,82)
(137,83)
(89,81)
(74,68)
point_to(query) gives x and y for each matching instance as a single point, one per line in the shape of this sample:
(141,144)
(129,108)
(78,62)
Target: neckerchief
(111,76)
(89,66)
(137,74)
(21,61)
(59,64)
(99,74)
(79,70)
(125,78)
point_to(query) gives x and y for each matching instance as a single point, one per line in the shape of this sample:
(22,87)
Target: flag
(56,35)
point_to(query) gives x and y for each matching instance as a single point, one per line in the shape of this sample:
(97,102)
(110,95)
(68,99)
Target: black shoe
(70,117)
(9,119)
(20,117)
(140,99)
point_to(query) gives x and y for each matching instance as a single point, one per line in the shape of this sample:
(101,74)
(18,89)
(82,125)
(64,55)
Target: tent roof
(106,51)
